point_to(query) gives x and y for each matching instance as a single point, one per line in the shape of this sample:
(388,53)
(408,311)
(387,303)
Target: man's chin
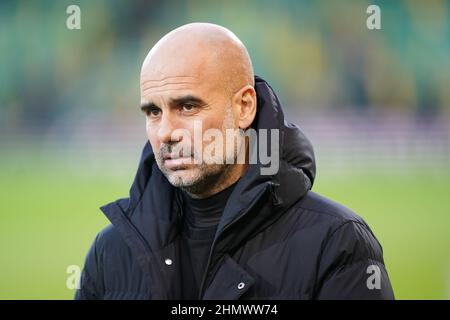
(183,176)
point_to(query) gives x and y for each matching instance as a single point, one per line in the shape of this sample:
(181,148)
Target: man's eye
(188,107)
(153,112)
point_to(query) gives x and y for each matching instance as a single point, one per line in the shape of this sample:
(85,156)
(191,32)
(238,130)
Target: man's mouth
(173,162)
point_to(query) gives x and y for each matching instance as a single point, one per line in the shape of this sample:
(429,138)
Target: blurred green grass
(49,218)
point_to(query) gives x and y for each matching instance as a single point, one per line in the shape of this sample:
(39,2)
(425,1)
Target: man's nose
(166,129)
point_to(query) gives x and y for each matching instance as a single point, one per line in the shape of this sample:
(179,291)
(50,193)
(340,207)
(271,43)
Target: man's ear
(245,106)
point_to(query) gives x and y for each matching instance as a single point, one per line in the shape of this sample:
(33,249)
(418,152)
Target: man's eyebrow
(148,105)
(188,99)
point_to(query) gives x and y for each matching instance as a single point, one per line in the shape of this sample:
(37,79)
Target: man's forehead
(183,74)
(168,82)
(171,66)
(169,89)
(179,69)
(175,79)
(175,72)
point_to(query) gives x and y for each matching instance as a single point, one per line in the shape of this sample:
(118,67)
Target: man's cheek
(153,140)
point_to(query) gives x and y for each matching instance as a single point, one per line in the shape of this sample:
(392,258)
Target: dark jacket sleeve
(352,265)
(91,280)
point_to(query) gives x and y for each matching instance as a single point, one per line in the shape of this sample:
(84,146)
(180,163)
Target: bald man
(205,219)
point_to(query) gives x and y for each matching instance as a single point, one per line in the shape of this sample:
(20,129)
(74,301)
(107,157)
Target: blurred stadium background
(376,105)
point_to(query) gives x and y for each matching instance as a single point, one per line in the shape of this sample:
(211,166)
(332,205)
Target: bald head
(205,51)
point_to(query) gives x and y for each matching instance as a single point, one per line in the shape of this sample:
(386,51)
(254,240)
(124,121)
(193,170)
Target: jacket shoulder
(330,220)
(334,228)
(108,237)
(327,208)
(349,250)
(92,282)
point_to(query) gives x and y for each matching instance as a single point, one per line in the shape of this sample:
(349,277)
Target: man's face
(183,101)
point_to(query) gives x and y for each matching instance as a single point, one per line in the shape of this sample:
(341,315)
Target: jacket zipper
(258,197)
